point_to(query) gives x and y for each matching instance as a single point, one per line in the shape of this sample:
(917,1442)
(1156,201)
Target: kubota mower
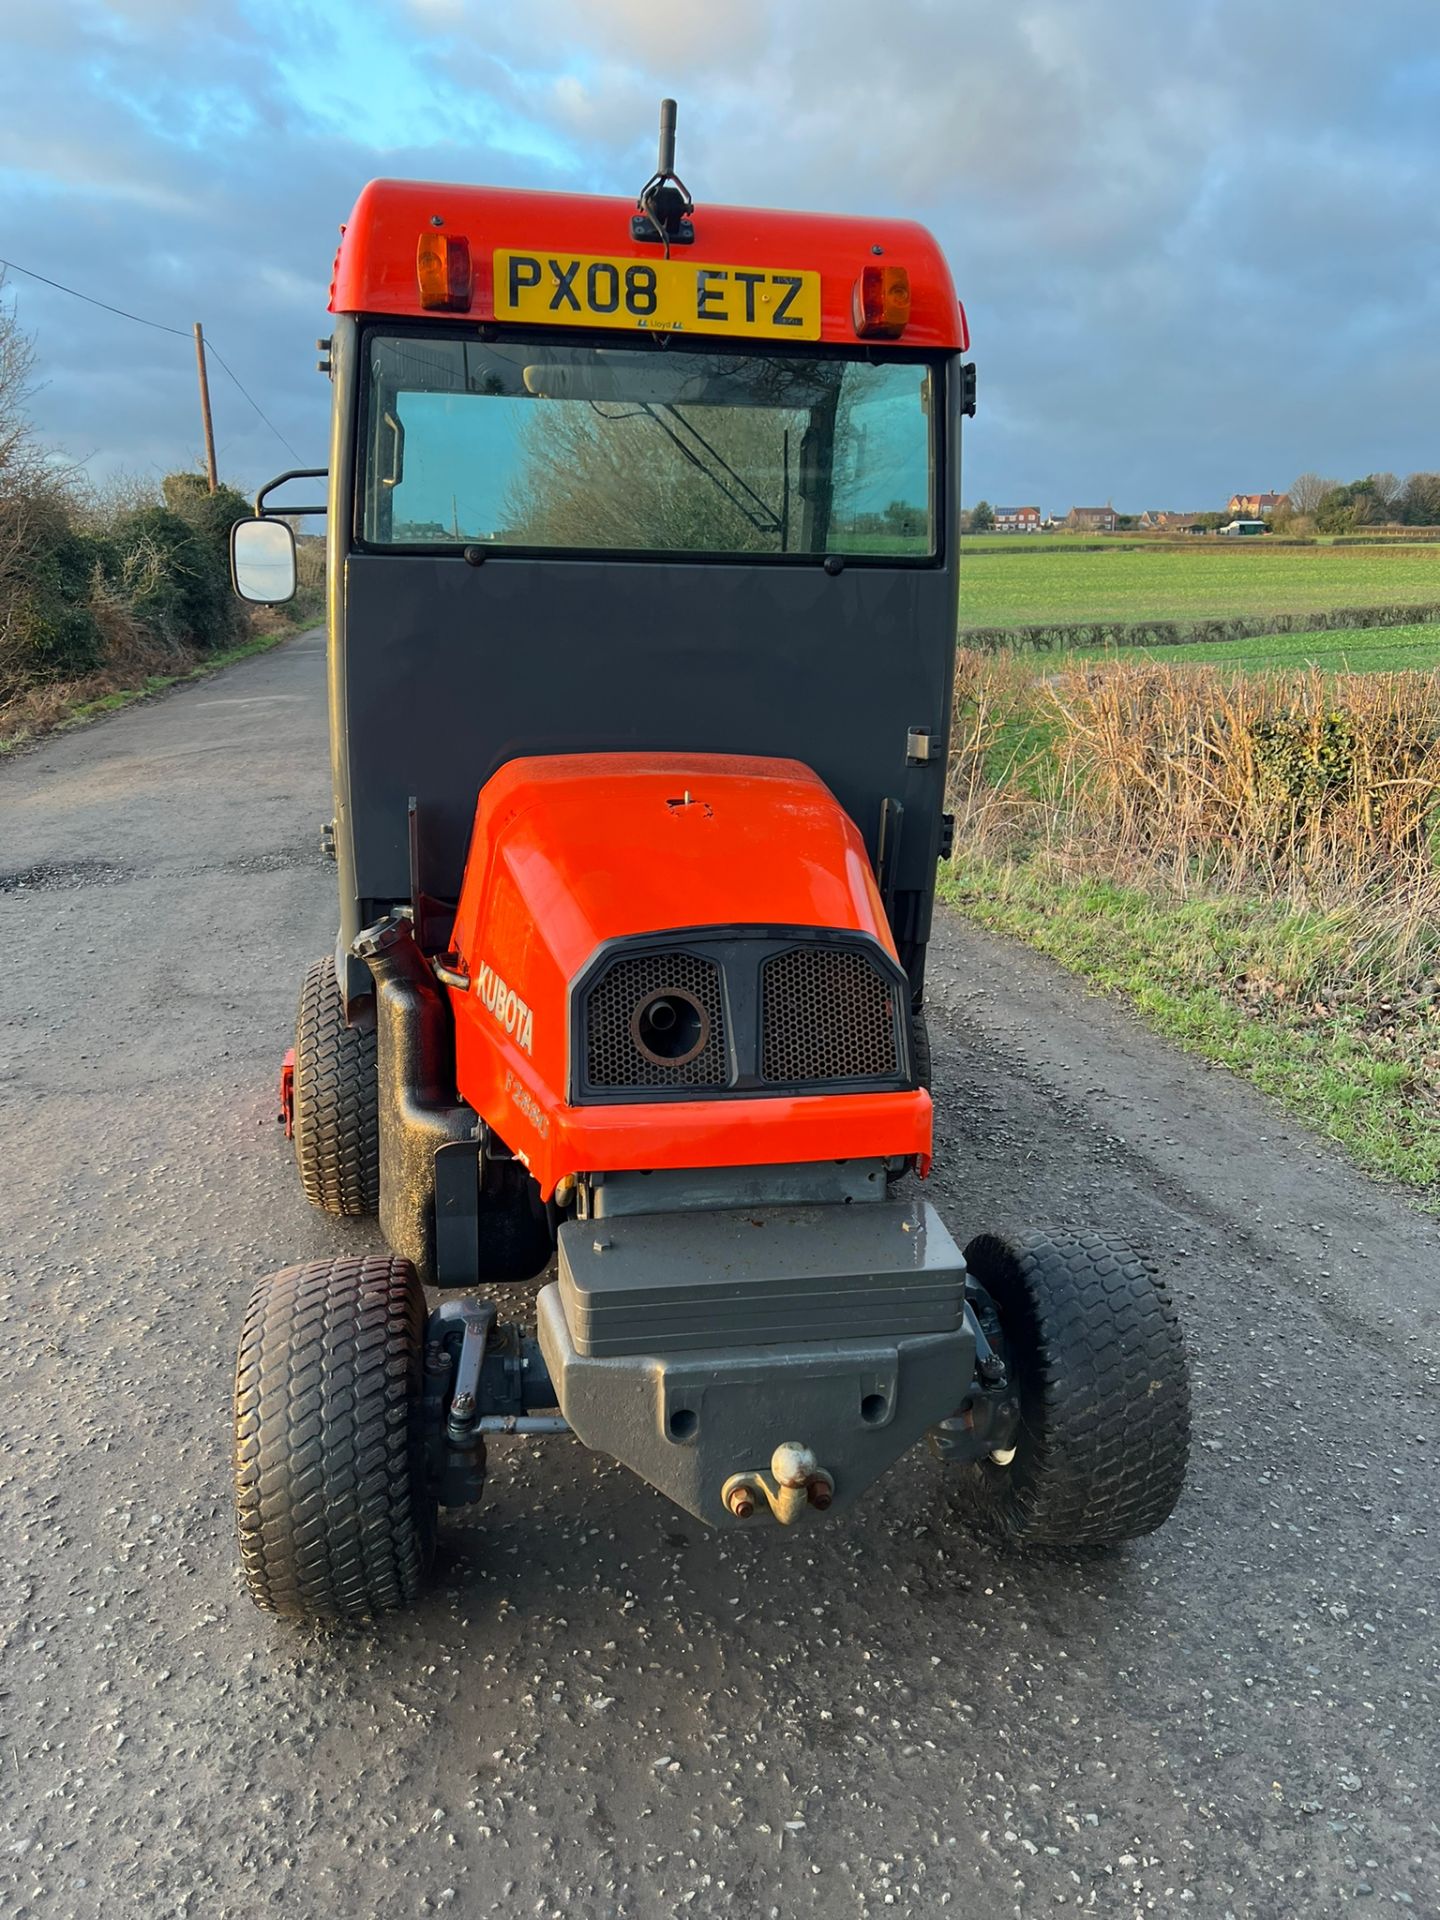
(642,609)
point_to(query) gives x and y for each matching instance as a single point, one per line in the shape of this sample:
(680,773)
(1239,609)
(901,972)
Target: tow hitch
(795,1481)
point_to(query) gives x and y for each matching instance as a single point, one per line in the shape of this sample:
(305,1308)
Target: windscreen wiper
(747,502)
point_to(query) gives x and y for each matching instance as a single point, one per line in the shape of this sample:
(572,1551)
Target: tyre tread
(337,1125)
(1106,1406)
(334,1519)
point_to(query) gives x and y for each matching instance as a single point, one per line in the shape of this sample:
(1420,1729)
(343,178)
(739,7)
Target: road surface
(600,1709)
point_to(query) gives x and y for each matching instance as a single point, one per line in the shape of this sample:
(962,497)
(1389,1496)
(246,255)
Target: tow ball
(795,1482)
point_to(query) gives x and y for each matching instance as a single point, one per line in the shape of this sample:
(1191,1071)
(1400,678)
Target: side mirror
(262,561)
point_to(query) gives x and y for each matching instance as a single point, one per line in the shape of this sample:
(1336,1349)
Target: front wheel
(335,1510)
(1092,1342)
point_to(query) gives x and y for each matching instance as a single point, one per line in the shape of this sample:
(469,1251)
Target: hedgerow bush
(73,574)
(174,576)
(1064,636)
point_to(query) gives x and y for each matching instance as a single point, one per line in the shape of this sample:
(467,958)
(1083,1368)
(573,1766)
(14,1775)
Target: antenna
(665,205)
(666,166)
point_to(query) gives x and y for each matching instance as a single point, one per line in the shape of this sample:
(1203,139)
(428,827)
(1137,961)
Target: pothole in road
(280,860)
(49,876)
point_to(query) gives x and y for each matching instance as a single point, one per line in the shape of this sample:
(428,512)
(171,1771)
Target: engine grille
(828,1014)
(612,1057)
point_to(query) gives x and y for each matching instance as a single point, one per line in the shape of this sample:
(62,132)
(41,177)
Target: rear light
(964,328)
(442,267)
(882,301)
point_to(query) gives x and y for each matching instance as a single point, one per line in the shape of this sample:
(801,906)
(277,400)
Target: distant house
(1017,519)
(1256,506)
(1091,520)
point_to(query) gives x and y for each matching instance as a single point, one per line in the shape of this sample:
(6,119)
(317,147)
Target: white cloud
(1168,223)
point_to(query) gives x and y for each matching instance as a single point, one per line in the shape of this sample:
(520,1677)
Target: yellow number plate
(658,296)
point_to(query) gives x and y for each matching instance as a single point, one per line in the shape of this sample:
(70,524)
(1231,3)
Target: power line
(14,266)
(180,333)
(212,348)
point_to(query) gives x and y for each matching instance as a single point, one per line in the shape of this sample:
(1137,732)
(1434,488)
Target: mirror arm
(293,473)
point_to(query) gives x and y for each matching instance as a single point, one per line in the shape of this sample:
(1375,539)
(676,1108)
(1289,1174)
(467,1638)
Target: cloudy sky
(1198,240)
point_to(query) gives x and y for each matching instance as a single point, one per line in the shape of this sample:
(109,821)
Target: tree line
(1315,504)
(1379,500)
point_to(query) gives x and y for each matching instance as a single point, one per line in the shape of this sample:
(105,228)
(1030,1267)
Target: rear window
(645,451)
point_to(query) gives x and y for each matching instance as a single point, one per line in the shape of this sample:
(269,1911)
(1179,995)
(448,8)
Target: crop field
(1024,583)
(1358,650)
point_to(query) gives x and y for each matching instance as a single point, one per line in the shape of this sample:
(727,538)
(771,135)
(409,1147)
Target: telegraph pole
(210,472)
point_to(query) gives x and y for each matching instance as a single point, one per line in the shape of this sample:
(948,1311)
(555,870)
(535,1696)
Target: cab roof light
(442,267)
(882,302)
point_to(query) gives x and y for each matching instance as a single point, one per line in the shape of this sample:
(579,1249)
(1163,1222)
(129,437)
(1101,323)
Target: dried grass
(1328,781)
(1320,792)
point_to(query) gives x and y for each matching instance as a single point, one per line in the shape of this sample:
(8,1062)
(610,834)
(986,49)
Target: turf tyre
(1094,1343)
(335,1514)
(337,1122)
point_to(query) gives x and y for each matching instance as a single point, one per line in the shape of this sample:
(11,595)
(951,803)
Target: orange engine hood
(571,851)
(600,845)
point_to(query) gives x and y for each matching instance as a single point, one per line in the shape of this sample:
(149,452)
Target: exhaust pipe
(419,1108)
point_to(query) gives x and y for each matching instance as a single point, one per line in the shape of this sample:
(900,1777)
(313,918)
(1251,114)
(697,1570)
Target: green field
(1025,583)
(1357,650)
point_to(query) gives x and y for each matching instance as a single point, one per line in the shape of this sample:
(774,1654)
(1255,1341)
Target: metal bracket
(497,1382)
(986,1424)
(887,860)
(476,1319)
(291,473)
(679,233)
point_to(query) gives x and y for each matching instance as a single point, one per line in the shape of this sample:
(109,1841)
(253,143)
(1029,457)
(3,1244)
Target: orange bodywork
(375,268)
(571,851)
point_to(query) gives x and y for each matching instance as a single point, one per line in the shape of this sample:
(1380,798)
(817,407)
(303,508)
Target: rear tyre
(335,1513)
(1092,1340)
(337,1123)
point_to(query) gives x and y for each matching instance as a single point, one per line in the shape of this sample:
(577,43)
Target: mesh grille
(829,1015)
(612,1058)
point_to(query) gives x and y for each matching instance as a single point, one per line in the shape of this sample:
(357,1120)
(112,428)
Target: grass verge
(1290,999)
(59,709)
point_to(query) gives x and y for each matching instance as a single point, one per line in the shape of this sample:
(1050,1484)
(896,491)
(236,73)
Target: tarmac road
(601,1710)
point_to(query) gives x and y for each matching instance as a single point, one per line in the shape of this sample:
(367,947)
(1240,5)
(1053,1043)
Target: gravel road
(600,1709)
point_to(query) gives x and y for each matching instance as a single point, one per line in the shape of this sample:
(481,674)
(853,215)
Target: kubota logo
(506,1005)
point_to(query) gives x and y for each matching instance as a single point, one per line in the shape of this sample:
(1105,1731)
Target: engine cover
(576,858)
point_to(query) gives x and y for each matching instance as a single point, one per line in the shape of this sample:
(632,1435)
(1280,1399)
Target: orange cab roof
(375,268)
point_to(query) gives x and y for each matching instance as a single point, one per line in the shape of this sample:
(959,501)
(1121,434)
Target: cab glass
(645,450)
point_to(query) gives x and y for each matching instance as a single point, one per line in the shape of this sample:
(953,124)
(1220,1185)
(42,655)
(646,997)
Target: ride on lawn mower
(642,577)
